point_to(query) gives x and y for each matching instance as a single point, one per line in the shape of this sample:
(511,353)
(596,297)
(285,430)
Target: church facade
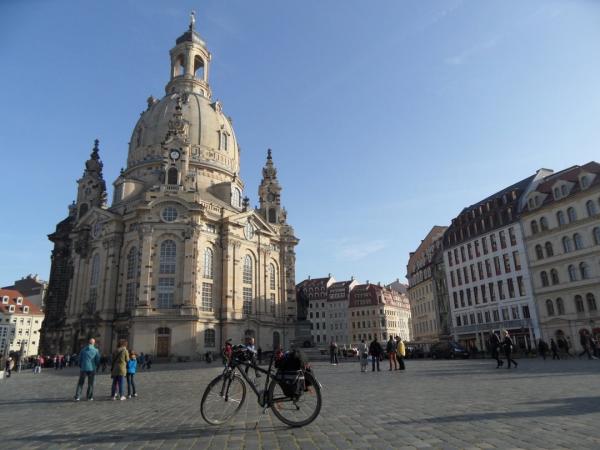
(179,262)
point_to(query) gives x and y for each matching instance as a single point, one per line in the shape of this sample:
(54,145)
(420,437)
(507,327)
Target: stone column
(110,282)
(190,265)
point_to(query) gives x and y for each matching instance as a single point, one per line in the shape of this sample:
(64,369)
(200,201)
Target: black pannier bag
(291,370)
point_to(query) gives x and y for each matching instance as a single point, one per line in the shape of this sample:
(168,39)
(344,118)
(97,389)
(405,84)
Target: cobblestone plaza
(434,404)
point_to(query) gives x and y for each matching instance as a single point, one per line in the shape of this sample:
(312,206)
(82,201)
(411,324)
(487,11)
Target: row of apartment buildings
(525,259)
(347,312)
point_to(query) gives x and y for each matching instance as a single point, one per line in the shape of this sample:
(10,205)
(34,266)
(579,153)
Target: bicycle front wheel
(222,399)
(296,412)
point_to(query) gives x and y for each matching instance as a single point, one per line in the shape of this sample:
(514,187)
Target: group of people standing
(123,366)
(395,350)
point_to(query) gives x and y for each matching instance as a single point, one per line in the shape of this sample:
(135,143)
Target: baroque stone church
(179,262)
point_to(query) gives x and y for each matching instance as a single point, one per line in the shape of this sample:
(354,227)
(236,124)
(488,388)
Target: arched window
(208,263)
(584,271)
(579,304)
(543,223)
(554,276)
(168,257)
(247,270)
(209,338)
(571,214)
(179,66)
(591,302)
(199,71)
(560,217)
(567,244)
(539,253)
(132,271)
(591,208)
(578,241)
(167,266)
(560,306)
(544,278)
(556,192)
(572,273)
(597,235)
(172,176)
(534,227)
(94,277)
(549,307)
(549,249)
(236,198)
(272,284)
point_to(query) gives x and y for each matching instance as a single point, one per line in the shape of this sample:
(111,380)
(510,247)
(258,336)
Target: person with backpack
(508,348)
(375,351)
(390,348)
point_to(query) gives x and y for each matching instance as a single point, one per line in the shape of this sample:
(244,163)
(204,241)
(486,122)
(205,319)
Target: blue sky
(385,118)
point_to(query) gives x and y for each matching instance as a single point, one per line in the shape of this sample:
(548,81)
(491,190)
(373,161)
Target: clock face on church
(175,154)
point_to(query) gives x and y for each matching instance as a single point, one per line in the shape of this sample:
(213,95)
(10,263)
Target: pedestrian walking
(89,357)
(554,349)
(363,355)
(584,341)
(148,362)
(568,346)
(333,357)
(375,351)
(543,348)
(8,366)
(119,369)
(508,348)
(401,353)
(496,344)
(390,348)
(131,370)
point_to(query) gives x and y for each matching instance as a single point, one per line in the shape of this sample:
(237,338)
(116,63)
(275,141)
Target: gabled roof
(12,300)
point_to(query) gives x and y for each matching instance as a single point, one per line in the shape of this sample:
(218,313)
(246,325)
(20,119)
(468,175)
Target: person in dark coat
(333,353)
(554,349)
(543,348)
(496,344)
(508,344)
(583,340)
(375,351)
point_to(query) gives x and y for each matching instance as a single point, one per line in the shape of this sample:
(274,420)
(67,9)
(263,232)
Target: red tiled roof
(12,300)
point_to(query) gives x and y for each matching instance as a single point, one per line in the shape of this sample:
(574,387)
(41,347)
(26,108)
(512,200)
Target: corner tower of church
(179,262)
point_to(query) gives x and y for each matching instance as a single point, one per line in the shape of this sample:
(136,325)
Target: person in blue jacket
(89,358)
(131,370)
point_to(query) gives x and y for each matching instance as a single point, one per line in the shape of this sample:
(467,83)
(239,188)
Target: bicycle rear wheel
(222,399)
(296,412)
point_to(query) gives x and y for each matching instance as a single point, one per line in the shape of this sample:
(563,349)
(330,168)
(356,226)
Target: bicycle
(225,395)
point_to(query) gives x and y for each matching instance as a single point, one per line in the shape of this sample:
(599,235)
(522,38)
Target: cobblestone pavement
(434,404)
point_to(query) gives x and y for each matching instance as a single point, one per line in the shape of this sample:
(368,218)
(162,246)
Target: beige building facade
(561,220)
(179,262)
(20,324)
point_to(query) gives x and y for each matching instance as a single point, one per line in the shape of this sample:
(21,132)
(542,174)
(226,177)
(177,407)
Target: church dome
(211,137)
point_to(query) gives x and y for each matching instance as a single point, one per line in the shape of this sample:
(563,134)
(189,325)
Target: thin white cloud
(472,51)
(355,250)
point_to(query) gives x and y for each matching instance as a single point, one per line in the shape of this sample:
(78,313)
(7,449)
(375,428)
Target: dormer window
(11,308)
(25,309)
(584,182)
(19,300)
(563,190)
(5,299)
(556,193)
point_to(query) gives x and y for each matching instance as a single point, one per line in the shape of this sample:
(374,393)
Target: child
(131,370)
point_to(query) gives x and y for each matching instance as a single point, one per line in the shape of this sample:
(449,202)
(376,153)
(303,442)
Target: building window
(455,298)
(560,218)
(94,276)
(236,198)
(207,297)
(501,290)
(571,214)
(247,270)
(526,314)
(539,253)
(554,276)
(549,307)
(272,284)
(167,258)
(572,273)
(584,271)
(166,292)
(247,297)
(493,242)
(534,227)
(497,265)
(492,292)
(567,244)
(591,208)
(502,239)
(544,278)
(506,259)
(543,223)
(597,235)
(549,249)
(209,338)
(578,241)
(515,312)
(511,287)
(169,214)
(208,263)
(132,272)
(560,306)
(579,304)
(272,304)
(450,259)
(591,302)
